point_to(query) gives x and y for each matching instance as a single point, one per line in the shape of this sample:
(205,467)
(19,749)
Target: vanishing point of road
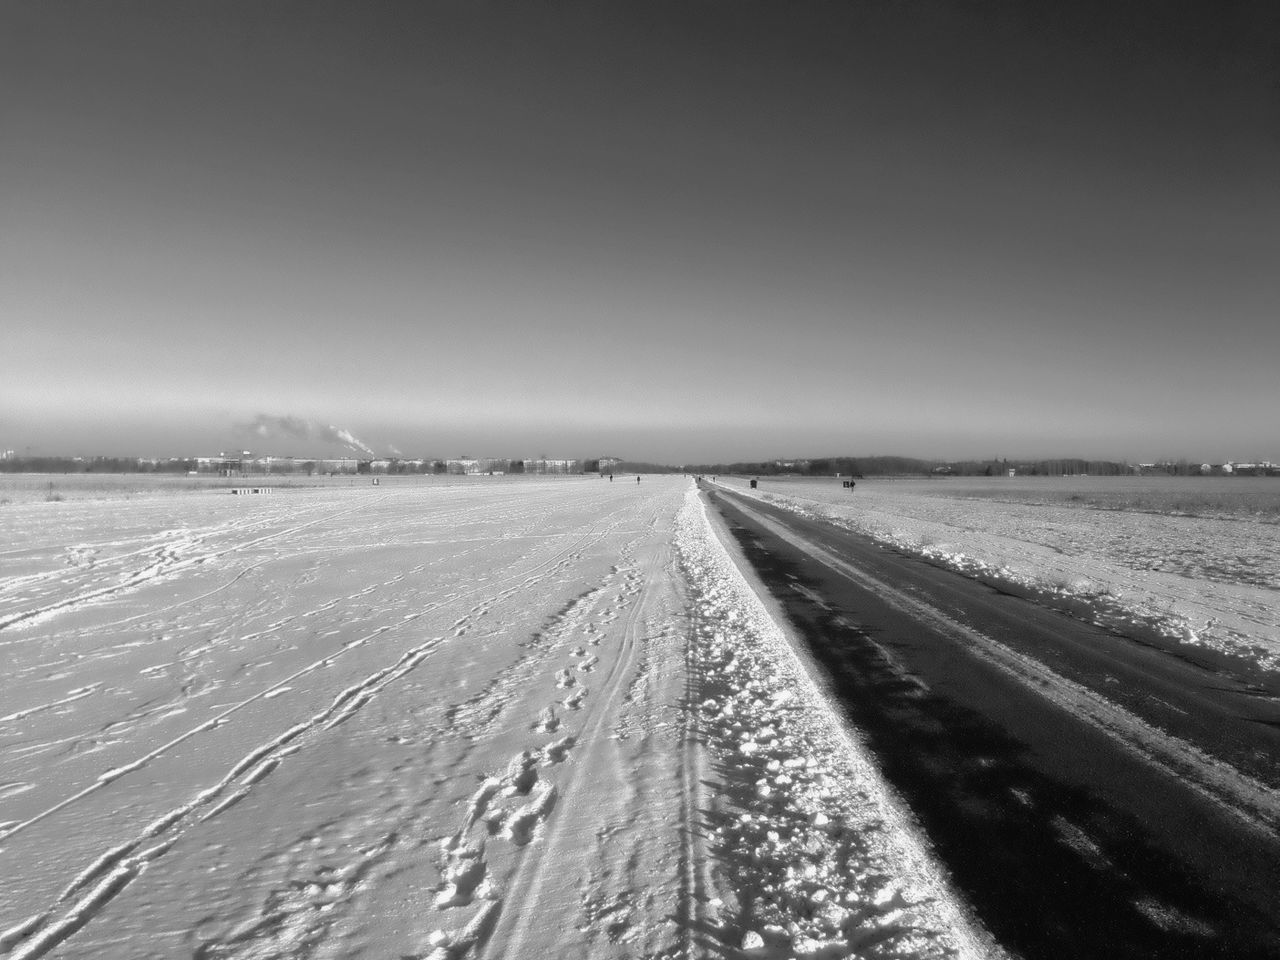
(1091,794)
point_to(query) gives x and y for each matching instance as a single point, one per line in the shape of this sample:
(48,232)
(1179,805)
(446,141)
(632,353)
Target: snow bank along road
(1093,796)
(524,718)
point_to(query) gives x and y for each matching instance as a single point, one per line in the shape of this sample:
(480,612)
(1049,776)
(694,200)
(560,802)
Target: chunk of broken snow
(808,947)
(449,896)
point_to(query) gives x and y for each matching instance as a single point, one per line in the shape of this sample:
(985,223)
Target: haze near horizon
(671,232)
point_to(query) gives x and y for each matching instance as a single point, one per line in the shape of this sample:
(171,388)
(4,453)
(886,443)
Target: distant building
(338,465)
(1258,468)
(223,465)
(547,465)
(231,464)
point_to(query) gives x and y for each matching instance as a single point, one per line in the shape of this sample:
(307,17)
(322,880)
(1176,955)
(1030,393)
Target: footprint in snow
(521,824)
(495,819)
(547,721)
(478,804)
(464,870)
(455,943)
(522,773)
(558,751)
(574,700)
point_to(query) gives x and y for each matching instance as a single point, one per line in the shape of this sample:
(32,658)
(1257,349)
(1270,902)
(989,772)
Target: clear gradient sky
(680,232)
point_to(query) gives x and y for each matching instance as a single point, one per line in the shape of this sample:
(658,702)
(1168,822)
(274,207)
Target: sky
(674,232)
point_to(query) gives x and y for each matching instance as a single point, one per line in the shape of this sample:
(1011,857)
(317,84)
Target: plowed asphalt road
(1093,795)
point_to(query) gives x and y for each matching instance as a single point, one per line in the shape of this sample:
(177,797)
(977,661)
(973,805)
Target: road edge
(907,847)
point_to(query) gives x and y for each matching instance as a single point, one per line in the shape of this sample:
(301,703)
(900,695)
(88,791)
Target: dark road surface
(1092,795)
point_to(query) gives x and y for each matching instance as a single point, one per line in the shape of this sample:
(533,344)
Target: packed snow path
(524,718)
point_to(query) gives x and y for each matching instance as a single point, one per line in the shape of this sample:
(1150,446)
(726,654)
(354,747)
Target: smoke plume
(267,426)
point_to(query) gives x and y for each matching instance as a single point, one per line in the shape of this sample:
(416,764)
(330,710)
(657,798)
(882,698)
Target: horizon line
(7,455)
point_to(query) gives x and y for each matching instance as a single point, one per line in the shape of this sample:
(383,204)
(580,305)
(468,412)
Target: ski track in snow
(450,721)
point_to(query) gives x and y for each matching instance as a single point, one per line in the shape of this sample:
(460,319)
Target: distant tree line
(1071,467)
(640,466)
(911,467)
(95,465)
(820,467)
(817,467)
(290,465)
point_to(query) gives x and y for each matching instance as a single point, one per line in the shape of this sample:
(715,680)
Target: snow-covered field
(1197,561)
(16,488)
(485,717)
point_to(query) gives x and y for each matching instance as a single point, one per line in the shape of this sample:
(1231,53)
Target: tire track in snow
(94,887)
(79,693)
(154,544)
(152,614)
(167,562)
(106,778)
(99,883)
(529,579)
(164,708)
(113,871)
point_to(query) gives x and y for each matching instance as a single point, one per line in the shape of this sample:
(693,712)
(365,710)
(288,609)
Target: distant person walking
(637,478)
(611,478)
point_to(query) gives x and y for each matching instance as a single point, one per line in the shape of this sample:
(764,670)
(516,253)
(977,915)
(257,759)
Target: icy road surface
(524,718)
